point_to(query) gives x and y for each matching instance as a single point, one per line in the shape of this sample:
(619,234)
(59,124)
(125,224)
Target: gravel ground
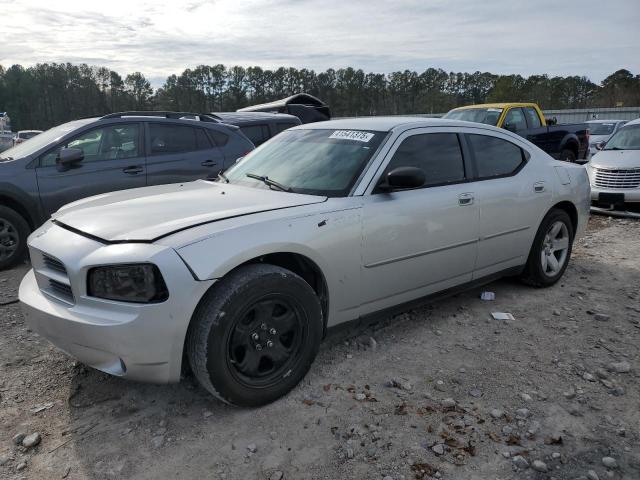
(443,391)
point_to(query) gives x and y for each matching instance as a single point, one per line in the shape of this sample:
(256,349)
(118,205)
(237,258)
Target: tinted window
(172,139)
(202,140)
(495,157)
(437,154)
(108,143)
(258,134)
(515,119)
(220,138)
(532,118)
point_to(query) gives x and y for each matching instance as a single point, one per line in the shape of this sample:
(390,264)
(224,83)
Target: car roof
(633,122)
(497,105)
(386,124)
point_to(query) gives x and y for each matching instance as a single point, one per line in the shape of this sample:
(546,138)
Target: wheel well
(571,210)
(573,146)
(12,204)
(306,269)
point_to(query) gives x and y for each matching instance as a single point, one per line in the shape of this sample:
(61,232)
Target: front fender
(330,239)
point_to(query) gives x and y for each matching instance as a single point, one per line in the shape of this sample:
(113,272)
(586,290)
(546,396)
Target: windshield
(489,116)
(314,162)
(601,128)
(627,138)
(41,140)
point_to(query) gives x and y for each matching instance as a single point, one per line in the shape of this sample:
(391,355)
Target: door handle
(465,199)
(538,187)
(133,170)
(209,163)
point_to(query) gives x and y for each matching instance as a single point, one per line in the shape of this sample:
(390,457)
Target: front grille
(53,264)
(617,178)
(52,277)
(61,290)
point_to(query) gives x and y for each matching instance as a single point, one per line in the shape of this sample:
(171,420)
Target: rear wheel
(14,231)
(568,155)
(550,251)
(255,335)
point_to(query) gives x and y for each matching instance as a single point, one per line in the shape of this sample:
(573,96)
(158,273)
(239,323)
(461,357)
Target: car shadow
(121,429)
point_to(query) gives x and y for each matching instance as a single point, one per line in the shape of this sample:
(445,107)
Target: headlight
(138,283)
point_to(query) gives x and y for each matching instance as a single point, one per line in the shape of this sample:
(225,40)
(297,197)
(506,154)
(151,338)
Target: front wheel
(550,251)
(254,335)
(14,231)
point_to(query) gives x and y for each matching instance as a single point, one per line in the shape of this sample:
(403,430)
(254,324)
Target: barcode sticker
(352,135)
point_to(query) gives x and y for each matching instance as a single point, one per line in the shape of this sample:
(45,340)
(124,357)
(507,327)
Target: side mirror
(403,177)
(69,157)
(509,126)
(600,145)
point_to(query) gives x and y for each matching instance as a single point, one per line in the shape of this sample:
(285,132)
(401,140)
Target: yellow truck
(568,141)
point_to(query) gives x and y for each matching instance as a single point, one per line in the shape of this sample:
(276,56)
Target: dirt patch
(443,391)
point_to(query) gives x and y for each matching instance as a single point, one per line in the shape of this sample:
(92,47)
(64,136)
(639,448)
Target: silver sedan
(323,224)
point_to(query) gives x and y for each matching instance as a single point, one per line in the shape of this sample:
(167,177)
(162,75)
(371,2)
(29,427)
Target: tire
(256,305)
(540,271)
(568,155)
(14,231)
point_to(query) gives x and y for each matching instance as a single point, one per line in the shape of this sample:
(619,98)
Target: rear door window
(220,139)
(258,134)
(202,140)
(171,138)
(496,157)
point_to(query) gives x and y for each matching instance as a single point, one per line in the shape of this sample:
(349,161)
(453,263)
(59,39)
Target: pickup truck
(568,141)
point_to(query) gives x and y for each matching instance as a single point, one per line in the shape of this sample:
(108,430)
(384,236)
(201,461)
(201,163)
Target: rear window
(258,134)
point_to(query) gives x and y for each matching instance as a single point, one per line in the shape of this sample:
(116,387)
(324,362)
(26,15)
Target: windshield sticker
(494,109)
(352,135)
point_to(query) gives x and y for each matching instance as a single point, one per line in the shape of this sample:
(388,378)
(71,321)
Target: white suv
(323,224)
(614,171)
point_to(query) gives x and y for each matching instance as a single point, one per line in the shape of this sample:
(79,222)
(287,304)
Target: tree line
(48,94)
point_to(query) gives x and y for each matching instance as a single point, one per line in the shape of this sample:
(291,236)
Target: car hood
(146,214)
(616,159)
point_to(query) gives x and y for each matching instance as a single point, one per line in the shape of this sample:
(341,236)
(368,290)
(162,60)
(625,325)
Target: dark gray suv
(97,155)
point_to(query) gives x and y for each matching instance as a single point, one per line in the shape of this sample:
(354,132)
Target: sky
(162,37)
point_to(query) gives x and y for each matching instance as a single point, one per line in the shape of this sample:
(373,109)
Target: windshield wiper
(267,181)
(221,175)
